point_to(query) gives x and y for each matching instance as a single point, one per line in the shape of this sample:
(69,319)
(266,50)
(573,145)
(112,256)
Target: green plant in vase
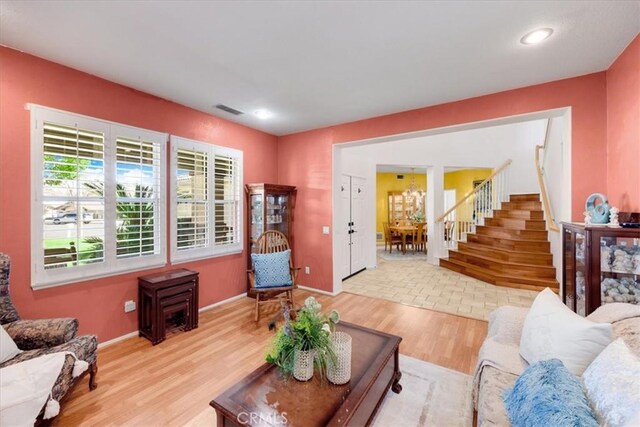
(304,340)
(418,216)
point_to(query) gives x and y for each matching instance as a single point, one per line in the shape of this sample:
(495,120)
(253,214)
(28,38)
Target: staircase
(510,249)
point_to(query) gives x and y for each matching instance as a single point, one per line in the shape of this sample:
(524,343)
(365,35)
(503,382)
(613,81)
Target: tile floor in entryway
(410,279)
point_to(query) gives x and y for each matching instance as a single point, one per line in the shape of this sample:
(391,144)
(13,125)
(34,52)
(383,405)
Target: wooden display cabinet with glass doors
(600,265)
(270,208)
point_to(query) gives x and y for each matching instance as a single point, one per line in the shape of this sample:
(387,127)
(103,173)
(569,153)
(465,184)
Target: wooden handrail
(546,204)
(475,190)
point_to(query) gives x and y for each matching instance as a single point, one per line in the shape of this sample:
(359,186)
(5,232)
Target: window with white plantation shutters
(138,196)
(72,215)
(98,198)
(206,200)
(192,199)
(227,191)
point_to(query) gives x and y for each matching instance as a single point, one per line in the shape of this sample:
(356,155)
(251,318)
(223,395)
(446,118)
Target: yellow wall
(386,182)
(461,181)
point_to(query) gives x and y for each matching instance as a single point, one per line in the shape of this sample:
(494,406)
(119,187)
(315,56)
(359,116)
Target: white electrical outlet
(325,229)
(307,270)
(129,306)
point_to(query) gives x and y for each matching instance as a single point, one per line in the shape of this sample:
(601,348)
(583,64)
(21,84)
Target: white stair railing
(473,208)
(546,203)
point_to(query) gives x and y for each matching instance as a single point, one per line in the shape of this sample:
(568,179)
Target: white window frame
(212,250)
(42,278)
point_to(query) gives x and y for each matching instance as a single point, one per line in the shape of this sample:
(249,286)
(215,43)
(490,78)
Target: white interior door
(357,219)
(345,218)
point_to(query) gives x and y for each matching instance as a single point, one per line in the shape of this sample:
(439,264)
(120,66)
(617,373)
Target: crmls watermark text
(251,418)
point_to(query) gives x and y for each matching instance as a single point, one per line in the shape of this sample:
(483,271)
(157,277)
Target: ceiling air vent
(229,110)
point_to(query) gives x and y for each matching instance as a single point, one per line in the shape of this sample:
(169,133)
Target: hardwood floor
(171,383)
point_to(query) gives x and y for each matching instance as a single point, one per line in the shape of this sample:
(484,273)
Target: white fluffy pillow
(551,330)
(612,382)
(8,348)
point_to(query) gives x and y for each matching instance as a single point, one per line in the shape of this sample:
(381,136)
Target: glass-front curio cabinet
(401,207)
(270,208)
(601,265)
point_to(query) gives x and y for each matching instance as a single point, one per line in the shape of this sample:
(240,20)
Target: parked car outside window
(70,218)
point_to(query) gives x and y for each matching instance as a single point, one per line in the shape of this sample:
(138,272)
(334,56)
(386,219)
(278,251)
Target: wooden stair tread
(507,263)
(489,230)
(534,246)
(503,279)
(517,223)
(514,240)
(526,197)
(519,214)
(508,251)
(506,254)
(525,205)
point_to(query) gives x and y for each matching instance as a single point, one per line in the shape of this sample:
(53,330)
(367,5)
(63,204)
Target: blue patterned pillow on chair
(272,270)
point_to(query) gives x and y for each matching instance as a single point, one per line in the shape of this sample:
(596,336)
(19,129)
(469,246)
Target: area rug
(432,396)
(397,255)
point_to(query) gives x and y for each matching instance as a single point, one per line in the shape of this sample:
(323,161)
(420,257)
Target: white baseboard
(135,333)
(224,301)
(118,339)
(307,288)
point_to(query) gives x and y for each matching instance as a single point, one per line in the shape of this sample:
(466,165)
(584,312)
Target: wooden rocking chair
(271,242)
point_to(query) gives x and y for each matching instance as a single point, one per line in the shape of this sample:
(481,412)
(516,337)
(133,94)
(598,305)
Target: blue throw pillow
(547,394)
(272,270)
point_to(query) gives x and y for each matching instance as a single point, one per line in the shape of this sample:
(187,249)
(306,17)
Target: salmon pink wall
(623,129)
(305,159)
(99,304)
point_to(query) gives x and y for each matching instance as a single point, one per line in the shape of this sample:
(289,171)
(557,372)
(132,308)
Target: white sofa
(500,364)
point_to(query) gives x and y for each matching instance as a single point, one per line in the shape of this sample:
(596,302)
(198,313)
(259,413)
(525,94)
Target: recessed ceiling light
(263,114)
(536,36)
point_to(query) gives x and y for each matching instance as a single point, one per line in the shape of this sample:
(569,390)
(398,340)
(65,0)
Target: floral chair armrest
(41,333)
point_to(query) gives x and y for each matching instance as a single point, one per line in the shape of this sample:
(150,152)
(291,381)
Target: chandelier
(413,190)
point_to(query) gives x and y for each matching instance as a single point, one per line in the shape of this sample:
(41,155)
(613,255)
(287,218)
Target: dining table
(404,231)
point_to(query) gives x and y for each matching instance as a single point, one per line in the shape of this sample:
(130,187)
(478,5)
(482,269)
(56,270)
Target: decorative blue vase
(599,213)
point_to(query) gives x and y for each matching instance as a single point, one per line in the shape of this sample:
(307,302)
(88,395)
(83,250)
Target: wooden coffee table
(266,397)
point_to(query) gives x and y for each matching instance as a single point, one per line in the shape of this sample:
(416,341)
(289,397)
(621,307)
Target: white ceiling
(318,63)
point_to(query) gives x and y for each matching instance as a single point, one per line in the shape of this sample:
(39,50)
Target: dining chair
(418,240)
(390,238)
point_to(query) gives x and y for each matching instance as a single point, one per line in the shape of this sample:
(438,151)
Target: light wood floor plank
(169,384)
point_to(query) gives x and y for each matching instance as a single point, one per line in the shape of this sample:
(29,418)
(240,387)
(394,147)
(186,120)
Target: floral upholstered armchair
(45,336)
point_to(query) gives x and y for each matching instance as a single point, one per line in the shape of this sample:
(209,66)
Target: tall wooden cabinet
(600,265)
(270,208)
(401,207)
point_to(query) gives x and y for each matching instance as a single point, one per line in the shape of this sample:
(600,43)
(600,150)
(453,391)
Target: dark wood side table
(164,294)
